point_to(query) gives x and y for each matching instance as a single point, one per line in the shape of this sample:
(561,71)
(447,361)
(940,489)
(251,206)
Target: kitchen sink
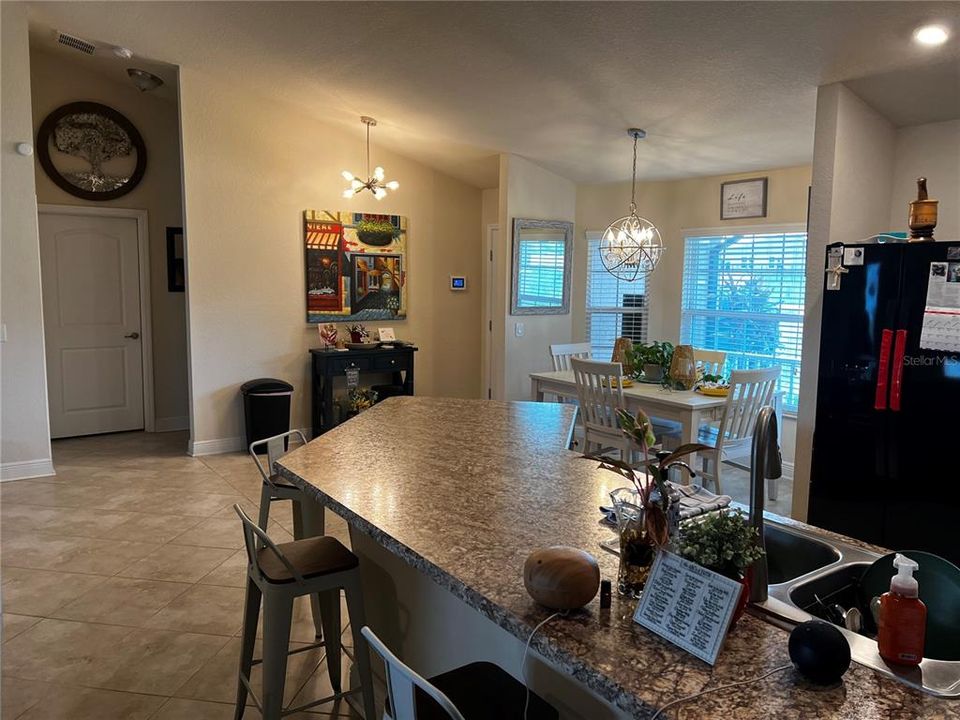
(791,554)
(807,572)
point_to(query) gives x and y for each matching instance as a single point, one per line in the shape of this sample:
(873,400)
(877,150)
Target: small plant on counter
(361,398)
(723,542)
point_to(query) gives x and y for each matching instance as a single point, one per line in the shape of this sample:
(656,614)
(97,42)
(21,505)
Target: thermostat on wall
(458,282)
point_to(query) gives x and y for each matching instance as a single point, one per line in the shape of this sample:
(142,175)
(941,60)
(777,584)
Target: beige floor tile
(13,625)
(153,528)
(195,503)
(224,533)
(122,601)
(155,662)
(55,650)
(47,551)
(17,696)
(41,592)
(180,709)
(232,572)
(76,703)
(202,609)
(82,522)
(176,563)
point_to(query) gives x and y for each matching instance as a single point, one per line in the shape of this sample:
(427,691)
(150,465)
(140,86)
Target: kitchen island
(445,499)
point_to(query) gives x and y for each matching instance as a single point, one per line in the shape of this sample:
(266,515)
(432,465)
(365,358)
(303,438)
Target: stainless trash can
(266,408)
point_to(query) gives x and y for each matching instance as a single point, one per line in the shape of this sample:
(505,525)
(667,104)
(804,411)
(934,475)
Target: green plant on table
(723,542)
(655,353)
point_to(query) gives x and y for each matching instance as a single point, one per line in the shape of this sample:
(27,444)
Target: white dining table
(687,407)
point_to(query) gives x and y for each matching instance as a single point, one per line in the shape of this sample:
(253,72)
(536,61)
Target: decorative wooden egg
(561,578)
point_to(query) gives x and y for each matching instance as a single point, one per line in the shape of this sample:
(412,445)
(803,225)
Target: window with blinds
(540,273)
(614,308)
(743,294)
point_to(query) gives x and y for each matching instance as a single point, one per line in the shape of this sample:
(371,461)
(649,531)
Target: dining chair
(600,393)
(478,691)
(712,361)
(750,390)
(562,352)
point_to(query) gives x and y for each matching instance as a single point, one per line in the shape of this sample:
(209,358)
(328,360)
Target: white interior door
(91,314)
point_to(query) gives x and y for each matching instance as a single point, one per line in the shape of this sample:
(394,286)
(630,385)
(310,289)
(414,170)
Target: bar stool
(478,691)
(277,574)
(308,515)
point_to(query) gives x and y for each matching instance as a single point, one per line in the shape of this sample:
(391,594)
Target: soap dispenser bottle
(903,617)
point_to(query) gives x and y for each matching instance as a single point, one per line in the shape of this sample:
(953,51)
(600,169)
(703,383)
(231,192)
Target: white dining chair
(600,392)
(712,361)
(750,390)
(561,353)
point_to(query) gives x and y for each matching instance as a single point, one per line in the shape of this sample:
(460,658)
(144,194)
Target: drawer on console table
(342,364)
(392,362)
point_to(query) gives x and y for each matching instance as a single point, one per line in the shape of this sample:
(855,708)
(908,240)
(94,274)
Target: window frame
(566,229)
(595,236)
(798,318)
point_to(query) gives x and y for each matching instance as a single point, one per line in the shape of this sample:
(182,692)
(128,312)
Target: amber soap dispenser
(903,616)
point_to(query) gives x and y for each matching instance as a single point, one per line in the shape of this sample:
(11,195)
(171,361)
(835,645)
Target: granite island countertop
(464,490)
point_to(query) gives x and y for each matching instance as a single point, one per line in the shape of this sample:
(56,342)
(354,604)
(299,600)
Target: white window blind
(540,273)
(743,294)
(615,308)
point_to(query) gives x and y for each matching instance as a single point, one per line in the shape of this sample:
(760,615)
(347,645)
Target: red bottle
(903,617)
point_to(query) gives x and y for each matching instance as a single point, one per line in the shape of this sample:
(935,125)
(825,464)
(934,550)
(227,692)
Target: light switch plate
(519,329)
(3,332)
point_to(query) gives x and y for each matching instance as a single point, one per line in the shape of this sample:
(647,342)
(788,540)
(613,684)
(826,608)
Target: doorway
(96,314)
(491,241)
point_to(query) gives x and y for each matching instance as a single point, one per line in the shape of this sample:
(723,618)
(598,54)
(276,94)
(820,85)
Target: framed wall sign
(743,199)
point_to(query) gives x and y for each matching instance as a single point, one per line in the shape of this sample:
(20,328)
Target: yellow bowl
(714,392)
(626,382)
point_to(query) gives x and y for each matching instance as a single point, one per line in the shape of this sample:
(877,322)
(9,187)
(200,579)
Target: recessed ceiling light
(122,52)
(931,35)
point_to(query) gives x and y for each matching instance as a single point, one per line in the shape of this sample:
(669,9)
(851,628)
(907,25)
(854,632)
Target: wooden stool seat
(482,691)
(311,557)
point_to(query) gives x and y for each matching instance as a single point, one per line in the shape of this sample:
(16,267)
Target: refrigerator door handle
(883,370)
(897,383)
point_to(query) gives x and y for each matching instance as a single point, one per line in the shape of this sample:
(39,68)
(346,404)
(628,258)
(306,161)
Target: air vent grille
(76,43)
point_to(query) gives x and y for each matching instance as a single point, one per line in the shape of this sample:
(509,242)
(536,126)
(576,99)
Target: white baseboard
(215,447)
(24,469)
(170,424)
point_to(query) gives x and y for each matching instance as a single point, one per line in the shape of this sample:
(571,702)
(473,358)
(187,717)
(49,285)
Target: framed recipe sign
(743,199)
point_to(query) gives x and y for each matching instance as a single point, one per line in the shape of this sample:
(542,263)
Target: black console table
(330,364)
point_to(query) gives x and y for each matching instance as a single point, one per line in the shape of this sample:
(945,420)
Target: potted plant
(376,232)
(358,333)
(725,543)
(648,516)
(652,358)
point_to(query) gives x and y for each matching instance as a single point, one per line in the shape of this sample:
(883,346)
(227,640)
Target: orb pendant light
(631,245)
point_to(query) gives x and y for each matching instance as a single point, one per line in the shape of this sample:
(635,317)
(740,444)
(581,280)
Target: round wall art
(91,151)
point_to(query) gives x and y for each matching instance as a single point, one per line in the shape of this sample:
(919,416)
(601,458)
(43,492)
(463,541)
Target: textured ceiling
(719,87)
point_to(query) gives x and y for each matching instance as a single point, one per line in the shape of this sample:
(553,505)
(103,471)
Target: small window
(615,308)
(743,294)
(541,267)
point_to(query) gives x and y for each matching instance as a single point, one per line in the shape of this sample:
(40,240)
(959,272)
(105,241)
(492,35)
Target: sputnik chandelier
(374,183)
(631,245)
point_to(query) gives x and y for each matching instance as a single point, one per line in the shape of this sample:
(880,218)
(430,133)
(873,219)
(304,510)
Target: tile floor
(122,585)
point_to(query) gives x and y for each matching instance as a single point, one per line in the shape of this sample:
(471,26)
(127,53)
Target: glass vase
(637,549)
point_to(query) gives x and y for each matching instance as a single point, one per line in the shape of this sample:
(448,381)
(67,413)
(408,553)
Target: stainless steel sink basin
(791,555)
(827,569)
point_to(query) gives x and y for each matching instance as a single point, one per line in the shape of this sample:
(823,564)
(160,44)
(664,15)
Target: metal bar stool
(277,574)
(308,516)
(478,691)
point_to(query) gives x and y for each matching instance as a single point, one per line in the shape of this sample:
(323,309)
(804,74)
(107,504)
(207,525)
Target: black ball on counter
(819,651)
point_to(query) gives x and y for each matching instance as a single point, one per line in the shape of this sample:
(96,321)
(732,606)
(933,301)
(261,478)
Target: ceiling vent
(76,43)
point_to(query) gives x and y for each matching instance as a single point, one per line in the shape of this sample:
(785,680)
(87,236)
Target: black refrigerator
(886,446)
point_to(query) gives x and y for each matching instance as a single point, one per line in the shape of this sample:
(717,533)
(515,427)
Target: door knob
(133,335)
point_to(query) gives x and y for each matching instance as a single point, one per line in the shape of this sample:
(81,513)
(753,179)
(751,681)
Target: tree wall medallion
(91,151)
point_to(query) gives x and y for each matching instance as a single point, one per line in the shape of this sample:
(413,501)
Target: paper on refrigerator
(941,315)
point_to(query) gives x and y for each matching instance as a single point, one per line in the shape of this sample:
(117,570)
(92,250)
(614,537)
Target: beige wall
(24,428)
(251,166)
(931,151)
(853,165)
(526,191)
(57,81)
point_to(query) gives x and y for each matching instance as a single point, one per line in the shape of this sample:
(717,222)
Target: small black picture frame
(176,273)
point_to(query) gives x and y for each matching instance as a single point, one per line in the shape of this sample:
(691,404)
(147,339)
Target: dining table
(687,407)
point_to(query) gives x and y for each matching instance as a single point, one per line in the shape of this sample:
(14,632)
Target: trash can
(266,407)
